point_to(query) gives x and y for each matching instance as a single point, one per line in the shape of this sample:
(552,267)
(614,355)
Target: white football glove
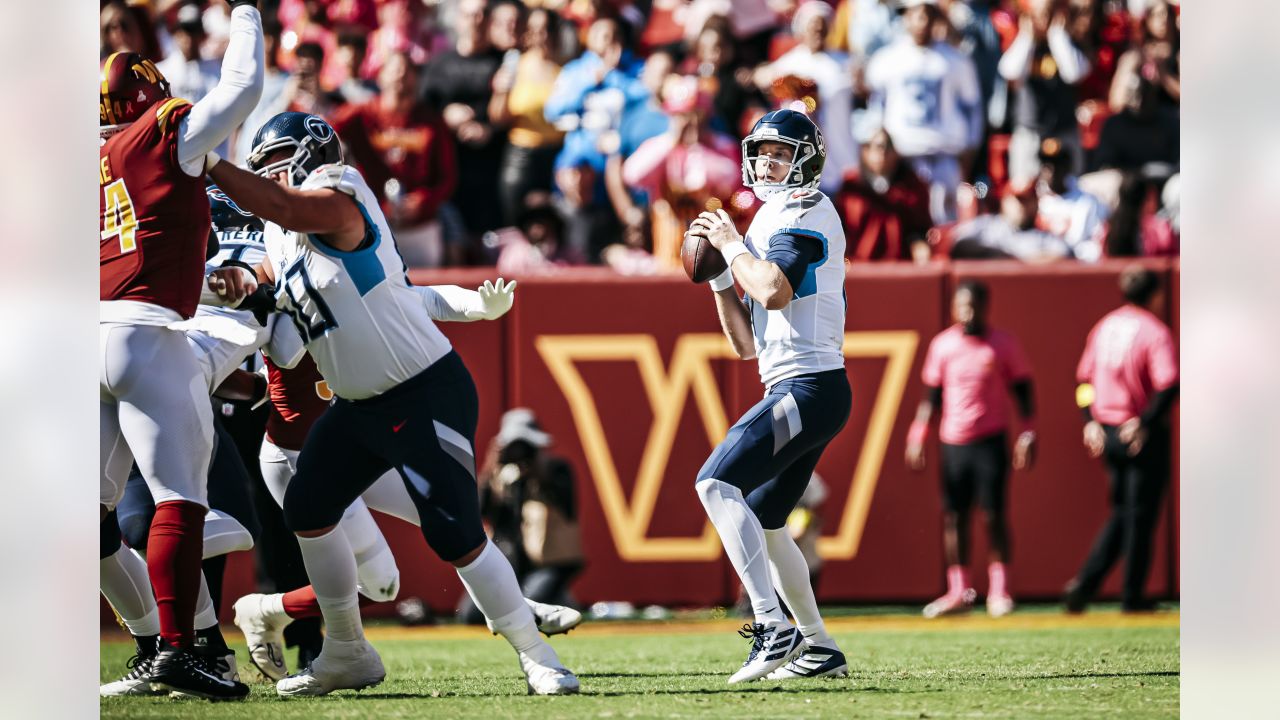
(496,299)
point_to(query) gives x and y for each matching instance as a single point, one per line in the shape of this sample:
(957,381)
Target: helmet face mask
(308,140)
(795,130)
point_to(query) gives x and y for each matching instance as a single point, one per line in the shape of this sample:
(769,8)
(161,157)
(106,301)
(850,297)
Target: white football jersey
(806,336)
(929,96)
(361,321)
(221,337)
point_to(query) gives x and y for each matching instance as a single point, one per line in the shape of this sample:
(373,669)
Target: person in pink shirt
(1128,379)
(970,370)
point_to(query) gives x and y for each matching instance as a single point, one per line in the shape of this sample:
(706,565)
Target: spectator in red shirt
(968,371)
(1128,379)
(885,205)
(405,152)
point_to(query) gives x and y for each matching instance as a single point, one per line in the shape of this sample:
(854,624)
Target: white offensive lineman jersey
(930,97)
(364,325)
(807,336)
(221,337)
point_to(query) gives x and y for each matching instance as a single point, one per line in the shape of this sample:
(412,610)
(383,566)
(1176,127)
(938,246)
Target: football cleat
(182,672)
(264,634)
(218,663)
(772,645)
(814,661)
(544,674)
(999,605)
(137,680)
(951,604)
(351,665)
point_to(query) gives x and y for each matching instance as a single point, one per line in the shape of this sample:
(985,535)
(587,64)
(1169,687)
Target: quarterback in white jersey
(791,265)
(404,399)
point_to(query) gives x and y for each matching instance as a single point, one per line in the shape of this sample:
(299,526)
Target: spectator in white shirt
(1064,209)
(926,95)
(830,71)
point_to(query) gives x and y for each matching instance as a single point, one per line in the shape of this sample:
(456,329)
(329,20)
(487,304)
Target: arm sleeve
(226,106)
(933,394)
(1015,363)
(793,254)
(1024,396)
(450,303)
(1072,64)
(1159,405)
(1015,64)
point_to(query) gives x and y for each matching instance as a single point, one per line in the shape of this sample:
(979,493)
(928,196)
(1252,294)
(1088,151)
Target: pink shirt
(1129,357)
(974,373)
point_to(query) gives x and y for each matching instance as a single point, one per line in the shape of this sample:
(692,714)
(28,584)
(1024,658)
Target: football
(701,260)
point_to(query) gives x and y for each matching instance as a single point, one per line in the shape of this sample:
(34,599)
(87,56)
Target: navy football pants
(424,428)
(771,452)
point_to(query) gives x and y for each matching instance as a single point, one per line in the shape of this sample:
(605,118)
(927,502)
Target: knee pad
(452,540)
(378,575)
(224,534)
(712,491)
(108,536)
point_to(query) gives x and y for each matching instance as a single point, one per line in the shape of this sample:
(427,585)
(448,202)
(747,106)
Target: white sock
(791,579)
(376,570)
(743,540)
(127,587)
(224,534)
(206,614)
(332,570)
(493,587)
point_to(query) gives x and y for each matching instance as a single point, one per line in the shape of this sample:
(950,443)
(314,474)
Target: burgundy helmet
(130,85)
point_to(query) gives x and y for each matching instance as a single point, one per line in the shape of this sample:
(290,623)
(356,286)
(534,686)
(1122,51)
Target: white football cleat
(264,634)
(352,665)
(813,661)
(550,619)
(951,604)
(544,674)
(999,605)
(772,645)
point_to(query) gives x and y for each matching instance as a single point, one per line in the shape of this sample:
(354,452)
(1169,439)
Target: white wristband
(211,159)
(723,281)
(732,251)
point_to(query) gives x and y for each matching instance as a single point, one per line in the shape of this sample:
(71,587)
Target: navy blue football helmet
(226,215)
(313,143)
(792,128)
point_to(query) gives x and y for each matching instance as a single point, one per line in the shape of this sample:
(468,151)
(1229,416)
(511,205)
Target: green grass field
(1031,664)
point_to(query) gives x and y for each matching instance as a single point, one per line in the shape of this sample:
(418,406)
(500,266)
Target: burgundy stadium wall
(634,381)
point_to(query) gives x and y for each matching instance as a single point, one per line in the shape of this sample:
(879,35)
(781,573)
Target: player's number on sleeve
(118,218)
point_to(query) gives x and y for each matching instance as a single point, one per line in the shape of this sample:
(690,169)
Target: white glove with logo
(496,299)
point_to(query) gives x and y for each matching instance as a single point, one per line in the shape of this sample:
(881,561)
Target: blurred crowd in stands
(550,133)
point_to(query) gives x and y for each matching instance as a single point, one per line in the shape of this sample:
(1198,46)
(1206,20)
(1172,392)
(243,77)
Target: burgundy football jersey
(155,217)
(299,396)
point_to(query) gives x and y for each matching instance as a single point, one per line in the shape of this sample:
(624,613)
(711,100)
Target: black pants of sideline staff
(1137,484)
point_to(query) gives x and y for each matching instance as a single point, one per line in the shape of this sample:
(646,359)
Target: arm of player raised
(239,87)
(451,303)
(735,320)
(318,211)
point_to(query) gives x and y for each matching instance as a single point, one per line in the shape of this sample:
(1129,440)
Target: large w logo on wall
(667,390)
